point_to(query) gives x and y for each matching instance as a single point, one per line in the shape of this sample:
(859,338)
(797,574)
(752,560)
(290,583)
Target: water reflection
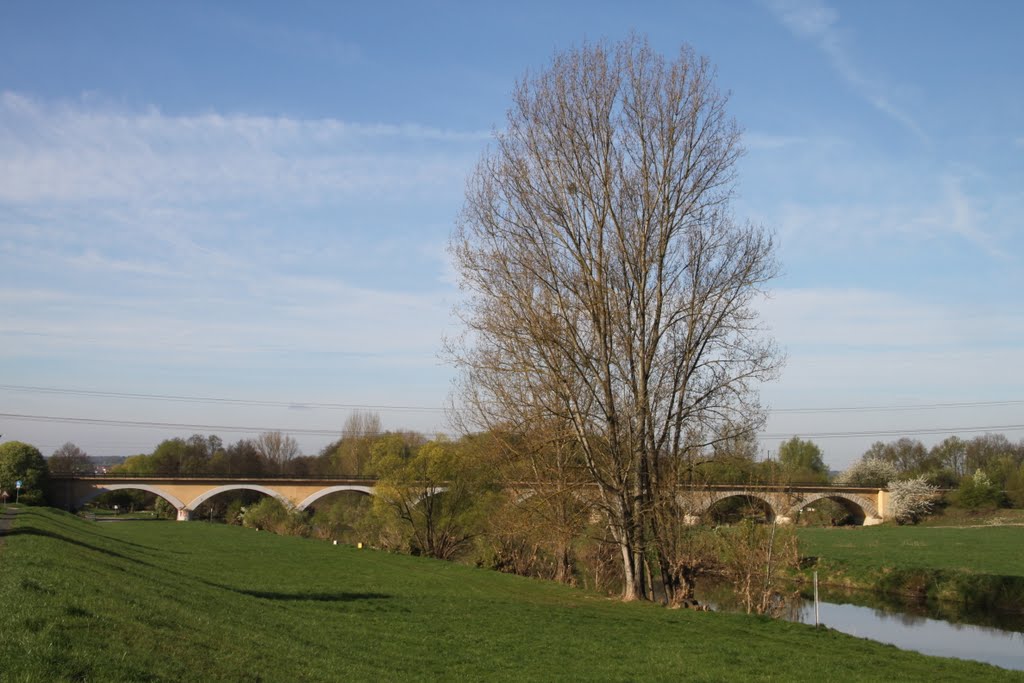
(930,636)
(907,628)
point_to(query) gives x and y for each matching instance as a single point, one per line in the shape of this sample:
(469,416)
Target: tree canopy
(802,461)
(23,462)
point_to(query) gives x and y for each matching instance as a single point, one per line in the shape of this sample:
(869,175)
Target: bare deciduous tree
(277,448)
(70,459)
(609,287)
(352,455)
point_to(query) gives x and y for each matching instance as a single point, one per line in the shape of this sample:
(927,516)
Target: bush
(164,509)
(233,513)
(268,514)
(979,491)
(343,519)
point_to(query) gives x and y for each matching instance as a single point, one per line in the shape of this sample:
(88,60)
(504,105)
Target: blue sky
(252,201)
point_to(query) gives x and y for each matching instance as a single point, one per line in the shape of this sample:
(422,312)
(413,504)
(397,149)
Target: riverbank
(965,569)
(170,602)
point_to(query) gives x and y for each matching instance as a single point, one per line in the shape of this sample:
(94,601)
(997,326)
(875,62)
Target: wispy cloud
(216,240)
(963,220)
(81,151)
(815,21)
(861,205)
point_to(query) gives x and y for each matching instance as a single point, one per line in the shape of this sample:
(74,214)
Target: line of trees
(987,470)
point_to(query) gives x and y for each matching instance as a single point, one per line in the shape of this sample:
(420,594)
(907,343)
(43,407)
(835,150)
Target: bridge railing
(206,476)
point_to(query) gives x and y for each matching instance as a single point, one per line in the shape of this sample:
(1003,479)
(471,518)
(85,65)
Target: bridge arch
(860,507)
(312,498)
(203,497)
(707,502)
(100,489)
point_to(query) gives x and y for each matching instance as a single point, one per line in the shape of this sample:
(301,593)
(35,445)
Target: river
(1000,641)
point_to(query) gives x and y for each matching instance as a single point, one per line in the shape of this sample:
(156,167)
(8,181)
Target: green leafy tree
(437,492)
(979,491)
(1015,487)
(802,461)
(136,464)
(239,458)
(23,462)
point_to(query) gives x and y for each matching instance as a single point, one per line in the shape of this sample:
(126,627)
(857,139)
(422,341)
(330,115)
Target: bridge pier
(871,521)
(783,519)
(691,520)
(184,514)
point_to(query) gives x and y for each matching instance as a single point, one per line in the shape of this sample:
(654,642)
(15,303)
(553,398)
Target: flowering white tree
(868,471)
(911,499)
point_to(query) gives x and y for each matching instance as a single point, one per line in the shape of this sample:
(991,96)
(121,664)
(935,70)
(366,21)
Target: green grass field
(985,550)
(963,573)
(165,601)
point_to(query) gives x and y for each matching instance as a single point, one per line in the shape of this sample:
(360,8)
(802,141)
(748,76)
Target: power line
(212,399)
(899,432)
(883,409)
(413,408)
(146,424)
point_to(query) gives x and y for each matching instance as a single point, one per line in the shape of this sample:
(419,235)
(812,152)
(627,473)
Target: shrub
(979,491)
(164,509)
(268,514)
(233,513)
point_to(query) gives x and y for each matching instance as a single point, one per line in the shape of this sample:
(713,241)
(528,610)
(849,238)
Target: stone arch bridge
(187,493)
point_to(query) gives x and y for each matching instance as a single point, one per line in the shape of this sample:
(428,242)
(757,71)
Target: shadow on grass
(79,526)
(307,596)
(31,531)
(312,597)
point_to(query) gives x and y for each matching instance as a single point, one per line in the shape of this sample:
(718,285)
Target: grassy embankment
(975,569)
(172,602)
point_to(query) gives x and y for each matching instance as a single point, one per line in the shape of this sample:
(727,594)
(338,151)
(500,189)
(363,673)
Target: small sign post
(4,496)
(17,490)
